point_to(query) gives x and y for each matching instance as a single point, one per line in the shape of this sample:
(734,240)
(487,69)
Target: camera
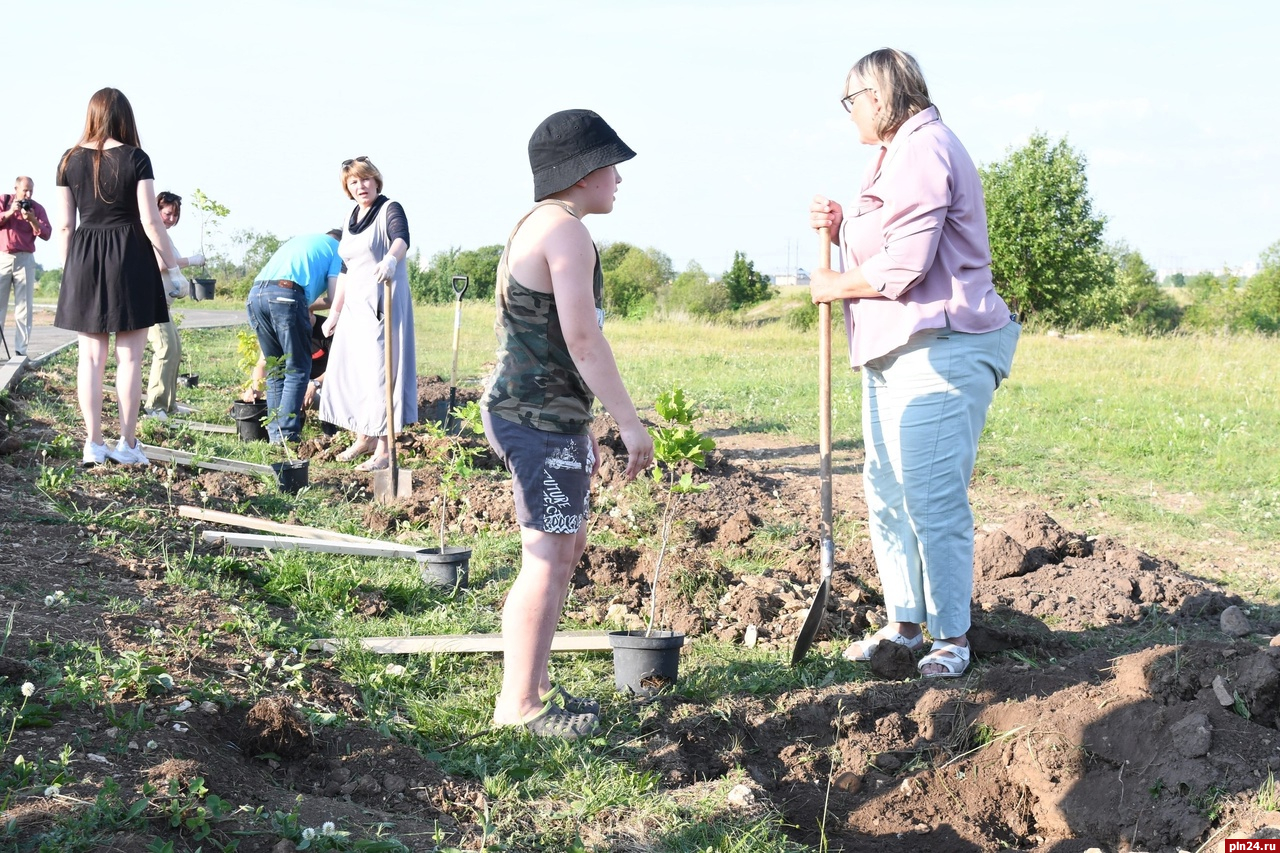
(24,204)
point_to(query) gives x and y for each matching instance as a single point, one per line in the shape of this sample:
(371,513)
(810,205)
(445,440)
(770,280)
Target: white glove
(178,284)
(196,260)
(386,269)
(330,323)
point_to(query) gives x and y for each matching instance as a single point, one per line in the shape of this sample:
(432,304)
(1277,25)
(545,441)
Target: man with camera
(22,220)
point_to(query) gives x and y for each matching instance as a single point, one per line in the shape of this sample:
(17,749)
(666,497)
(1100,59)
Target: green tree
(743,284)
(612,254)
(1046,243)
(631,285)
(1175,280)
(1134,302)
(255,249)
(1262,294)
(1218,304)
(211,213)
(693,292)
(434,282)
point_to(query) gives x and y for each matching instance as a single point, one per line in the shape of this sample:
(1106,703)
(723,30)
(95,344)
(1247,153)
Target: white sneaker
(95,454)
(126,455)
(158,414)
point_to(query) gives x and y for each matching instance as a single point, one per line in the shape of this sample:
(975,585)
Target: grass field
(1166,443)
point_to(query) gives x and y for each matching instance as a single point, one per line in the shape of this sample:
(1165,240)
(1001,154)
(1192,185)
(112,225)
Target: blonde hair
(360,167)
(899,84)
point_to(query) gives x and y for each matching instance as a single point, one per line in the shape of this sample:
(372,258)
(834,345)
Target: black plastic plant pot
(202,288)
(292,476)
(248,417)
(189,380)
(645,666)
(449,569)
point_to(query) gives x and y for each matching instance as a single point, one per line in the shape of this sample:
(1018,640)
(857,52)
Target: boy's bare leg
(529,620)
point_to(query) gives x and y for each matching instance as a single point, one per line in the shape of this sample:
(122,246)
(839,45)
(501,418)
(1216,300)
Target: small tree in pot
(646,661)
(448,565)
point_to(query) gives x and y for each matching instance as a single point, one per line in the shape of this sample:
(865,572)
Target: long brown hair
(110,116)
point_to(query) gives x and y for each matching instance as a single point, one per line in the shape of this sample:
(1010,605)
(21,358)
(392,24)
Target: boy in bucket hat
(553,360)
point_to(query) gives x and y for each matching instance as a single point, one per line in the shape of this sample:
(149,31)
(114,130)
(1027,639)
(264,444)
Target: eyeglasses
(847,100)
(346,163)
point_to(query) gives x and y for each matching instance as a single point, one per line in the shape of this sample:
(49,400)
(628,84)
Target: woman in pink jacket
(933,340)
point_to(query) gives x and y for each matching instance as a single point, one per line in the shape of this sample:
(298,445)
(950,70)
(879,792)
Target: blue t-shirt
(308,259)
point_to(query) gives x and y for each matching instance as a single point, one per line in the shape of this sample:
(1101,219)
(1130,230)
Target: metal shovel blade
(813,619)
(391,484)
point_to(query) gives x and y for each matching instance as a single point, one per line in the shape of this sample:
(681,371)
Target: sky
(732,108)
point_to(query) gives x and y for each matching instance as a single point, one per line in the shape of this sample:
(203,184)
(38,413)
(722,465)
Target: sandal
(377,463)
(861,650)
(954,659)
(572,704)
(360,448)
(554,721)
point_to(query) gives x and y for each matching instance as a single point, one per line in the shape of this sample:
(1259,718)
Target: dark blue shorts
(550,474)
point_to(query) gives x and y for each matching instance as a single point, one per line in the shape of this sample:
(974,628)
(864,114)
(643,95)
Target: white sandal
(862,650)
(954,659)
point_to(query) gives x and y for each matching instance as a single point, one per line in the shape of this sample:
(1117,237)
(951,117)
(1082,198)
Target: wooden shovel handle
(824,388)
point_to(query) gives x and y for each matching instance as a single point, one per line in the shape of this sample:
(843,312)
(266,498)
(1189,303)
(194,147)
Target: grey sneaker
(95,454)
(158,414)
(126,455)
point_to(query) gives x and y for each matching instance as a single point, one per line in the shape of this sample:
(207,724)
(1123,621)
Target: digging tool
(447,420)
(813,619)
(391,482)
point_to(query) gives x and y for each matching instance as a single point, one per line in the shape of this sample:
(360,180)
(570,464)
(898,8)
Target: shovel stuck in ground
(392,482)
(813,620)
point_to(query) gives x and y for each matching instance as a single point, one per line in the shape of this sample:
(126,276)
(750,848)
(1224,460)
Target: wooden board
(563,641)
(231,519)
(201,427)
(285,543)
(189,460)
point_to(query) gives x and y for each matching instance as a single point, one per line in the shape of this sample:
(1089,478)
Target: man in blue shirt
(297,280)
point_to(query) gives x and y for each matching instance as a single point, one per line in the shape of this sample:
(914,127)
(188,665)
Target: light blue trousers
(924,407)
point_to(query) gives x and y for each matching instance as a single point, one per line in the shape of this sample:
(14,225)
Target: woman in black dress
(110,282)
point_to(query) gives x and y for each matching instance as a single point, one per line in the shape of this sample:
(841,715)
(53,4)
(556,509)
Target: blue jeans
(924,406)
(278,316)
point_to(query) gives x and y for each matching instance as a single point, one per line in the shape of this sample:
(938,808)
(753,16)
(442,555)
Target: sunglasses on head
(169,198)
(346,163)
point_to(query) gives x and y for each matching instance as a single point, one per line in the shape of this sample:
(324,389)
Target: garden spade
(391,482)
(813,619)
(447,420)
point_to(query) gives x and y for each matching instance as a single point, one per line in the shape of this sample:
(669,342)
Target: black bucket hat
(568,146)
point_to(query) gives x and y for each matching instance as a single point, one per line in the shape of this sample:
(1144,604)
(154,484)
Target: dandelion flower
(308,834)
(327,828)
(28,689)
(52,790)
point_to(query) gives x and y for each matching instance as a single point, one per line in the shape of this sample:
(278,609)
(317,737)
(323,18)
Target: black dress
(110,282)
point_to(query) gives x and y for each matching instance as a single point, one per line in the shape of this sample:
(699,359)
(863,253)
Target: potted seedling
(210,212)
(644,662)
(449,565)
(291,472)
(251,407)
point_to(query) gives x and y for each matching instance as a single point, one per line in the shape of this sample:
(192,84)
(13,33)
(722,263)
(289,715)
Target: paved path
(47,339)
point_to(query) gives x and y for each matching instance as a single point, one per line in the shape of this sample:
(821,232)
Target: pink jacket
(919,232)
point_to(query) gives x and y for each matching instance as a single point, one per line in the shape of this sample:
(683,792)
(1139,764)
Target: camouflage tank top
(535,382)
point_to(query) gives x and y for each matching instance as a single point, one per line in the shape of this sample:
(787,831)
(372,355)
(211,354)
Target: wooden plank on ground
(11,371)
(231,519)
(189,460)
(284,543)
(563,641)
(201,427)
